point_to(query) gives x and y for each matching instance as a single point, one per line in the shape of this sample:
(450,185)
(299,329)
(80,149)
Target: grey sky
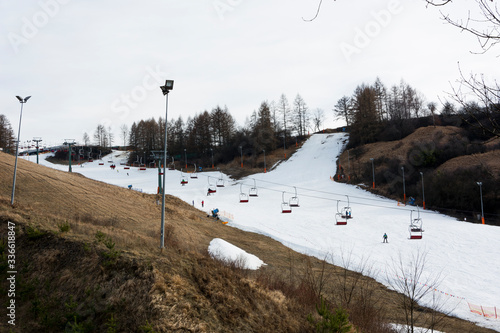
(89,63)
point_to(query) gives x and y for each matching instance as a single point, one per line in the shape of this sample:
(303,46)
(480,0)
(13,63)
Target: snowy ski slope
(465,256)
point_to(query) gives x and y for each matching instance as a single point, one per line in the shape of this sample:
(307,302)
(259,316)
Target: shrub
(33,232)
(64,226)
(335,322)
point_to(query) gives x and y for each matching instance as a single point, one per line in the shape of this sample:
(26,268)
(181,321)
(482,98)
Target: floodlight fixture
(23,100)
(169,85)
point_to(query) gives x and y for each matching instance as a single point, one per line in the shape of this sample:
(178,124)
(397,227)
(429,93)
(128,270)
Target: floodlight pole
(212,150)
(265,170)
(22,101)
(373,172)
(404,188)
(169,85)
(481,193)
(37,140)
(284,143)
(348,167)
(241,159)
(423,192)
(185,159)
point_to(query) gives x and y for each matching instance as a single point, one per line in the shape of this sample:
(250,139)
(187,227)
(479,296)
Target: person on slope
(385,238)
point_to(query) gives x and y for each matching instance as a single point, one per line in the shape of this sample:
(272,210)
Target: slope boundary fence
(490,312)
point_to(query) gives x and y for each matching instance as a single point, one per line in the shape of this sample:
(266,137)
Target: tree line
(374,109)
(214,135)
(7,140)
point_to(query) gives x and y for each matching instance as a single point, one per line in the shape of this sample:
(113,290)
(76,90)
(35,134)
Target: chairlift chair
(346,211)
(220,181)
(183,179)
(243,196)
(415,227)
(339,218)
(211,187)
(285,206)
(294,201)
(253,190)
(142,167)
(194,175)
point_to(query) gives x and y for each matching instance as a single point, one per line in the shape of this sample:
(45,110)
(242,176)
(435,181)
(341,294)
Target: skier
(202,203)
(385,238)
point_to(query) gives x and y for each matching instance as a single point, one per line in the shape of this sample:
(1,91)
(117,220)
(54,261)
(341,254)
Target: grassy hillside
(88,260)
(451,164)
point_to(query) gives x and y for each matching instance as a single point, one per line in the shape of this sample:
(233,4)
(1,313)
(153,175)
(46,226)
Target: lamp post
(185,158)
(241,153)
(423,192)
(348,167)
(69,142)
(373,172)
(22,101)
(265,169)
(37,140)
(169,85)
(284,143)
(404,188)
(212,150)
(481,193)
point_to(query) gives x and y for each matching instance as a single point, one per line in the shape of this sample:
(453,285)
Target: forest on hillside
(213,137)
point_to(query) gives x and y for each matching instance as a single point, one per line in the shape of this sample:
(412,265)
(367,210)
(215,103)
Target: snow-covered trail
(465,255)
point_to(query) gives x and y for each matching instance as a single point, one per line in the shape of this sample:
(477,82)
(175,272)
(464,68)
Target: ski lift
(194,175)
(220,181)
(294,201)
(339,219)
(183,179)
(142,167)
(243,196)
(285,206)
(415,227)
(253,190)
(346,211)
(171,166)
(211,187)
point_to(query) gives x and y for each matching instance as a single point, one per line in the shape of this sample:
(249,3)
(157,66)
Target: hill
(87,256)
(449,161)
(107,268)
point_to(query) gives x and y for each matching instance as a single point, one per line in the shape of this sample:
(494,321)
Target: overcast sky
(101,62)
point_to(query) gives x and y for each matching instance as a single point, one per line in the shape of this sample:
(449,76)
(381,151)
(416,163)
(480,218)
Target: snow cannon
(215,213)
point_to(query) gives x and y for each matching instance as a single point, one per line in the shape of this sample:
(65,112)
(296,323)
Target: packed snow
(464,256)
(230,253)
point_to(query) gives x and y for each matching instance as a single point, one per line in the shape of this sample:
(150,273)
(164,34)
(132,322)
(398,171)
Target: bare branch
(317,12)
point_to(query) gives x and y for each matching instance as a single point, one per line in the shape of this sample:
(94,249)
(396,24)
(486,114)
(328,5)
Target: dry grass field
(88,260)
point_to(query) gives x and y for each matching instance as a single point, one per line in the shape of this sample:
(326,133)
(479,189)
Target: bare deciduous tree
(318,117)
(484,24)
(408,276)
(124,133)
